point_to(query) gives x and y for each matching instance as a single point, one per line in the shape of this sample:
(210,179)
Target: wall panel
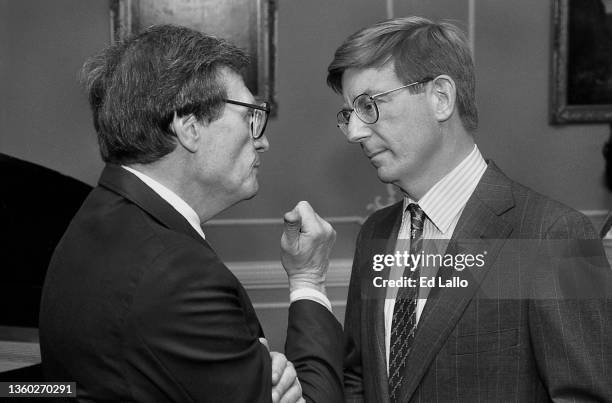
(513,41)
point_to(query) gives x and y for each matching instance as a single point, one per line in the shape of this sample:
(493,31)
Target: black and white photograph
(321,201)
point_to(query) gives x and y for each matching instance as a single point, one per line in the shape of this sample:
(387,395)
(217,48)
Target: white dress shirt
(443,205)
(193,219)
(172,198)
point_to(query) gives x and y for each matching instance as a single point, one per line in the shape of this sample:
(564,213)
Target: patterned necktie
(403,325)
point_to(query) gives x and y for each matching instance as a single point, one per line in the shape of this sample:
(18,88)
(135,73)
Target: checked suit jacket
(137,307)
(533,325)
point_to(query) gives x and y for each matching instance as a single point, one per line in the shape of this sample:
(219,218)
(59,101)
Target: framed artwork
(249,24)
(581,90)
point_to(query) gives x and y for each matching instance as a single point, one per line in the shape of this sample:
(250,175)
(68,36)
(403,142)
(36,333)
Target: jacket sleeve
(570,314)
(314,346)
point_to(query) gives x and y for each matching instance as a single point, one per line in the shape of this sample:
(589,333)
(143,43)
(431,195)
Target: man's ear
(444,95)
(185,129)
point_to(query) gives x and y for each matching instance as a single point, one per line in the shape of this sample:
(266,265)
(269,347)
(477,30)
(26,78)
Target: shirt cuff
(313,295)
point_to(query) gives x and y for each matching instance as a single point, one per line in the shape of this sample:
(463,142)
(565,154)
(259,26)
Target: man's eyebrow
(369,91)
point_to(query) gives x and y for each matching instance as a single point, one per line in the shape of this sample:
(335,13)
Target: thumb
(293,224)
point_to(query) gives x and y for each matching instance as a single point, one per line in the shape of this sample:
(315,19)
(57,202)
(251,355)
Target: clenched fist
(306,244)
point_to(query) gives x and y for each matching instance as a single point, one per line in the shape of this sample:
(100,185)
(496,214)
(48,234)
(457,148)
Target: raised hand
(306,244)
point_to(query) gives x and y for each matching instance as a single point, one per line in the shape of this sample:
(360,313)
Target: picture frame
(581,81)
(249,24)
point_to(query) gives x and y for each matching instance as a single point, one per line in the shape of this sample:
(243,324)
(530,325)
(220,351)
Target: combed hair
(418,48)
(137,85)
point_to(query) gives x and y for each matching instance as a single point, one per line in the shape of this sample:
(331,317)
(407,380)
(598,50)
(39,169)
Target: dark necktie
(403,325)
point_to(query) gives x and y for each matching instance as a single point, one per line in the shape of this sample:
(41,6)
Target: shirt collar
(447,198)
(172,198)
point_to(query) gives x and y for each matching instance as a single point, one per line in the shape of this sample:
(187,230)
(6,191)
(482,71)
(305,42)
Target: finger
(293,394)
(263,341)
(306,212)
(312,223)
(293,225)
(279,362)
(301,400)
(287,379)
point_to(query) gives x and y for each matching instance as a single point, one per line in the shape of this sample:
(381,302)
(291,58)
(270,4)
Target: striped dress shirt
(443,205)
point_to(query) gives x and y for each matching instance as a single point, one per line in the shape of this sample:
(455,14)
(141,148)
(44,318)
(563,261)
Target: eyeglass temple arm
(423,81)
(261,108)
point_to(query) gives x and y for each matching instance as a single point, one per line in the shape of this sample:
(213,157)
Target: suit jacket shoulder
(530,212)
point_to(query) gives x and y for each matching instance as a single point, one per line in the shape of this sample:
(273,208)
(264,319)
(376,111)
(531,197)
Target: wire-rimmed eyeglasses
(365,107)
(258,119)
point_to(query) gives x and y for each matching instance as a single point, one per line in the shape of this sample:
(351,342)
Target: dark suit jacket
(534,323)
(138,307)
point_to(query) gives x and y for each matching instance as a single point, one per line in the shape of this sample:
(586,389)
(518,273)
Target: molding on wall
(390,9)
(285,305)
(595,215)
(472,26)
(226,222)
(271,275)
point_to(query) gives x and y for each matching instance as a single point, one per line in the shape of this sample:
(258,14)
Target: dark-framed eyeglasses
(258,118)
(364,106)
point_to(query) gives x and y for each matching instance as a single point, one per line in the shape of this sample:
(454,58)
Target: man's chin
(252,190)
(384,175)
(251,196)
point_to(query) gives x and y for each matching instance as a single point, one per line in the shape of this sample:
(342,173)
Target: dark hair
(419,48)
(135,86)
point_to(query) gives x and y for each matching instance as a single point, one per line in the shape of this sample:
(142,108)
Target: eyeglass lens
(258,122)
(343,118)
(365,108)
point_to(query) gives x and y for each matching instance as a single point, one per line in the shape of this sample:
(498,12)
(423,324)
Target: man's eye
(368,106)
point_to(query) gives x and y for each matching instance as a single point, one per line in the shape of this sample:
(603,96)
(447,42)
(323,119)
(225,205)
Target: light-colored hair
(419,48)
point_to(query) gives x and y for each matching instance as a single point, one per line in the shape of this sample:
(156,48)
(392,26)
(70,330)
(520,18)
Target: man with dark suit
(474,287)
(136,304)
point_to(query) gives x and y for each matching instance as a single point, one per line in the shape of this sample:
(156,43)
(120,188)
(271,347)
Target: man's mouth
(372,154)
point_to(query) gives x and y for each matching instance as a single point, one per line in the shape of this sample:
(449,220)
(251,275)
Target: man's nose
(357,131)
(262,144)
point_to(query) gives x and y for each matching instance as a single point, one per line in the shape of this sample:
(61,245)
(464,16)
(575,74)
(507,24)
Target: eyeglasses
(365,107)
(258,118)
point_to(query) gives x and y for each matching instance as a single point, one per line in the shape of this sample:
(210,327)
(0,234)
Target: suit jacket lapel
(133,189)
(480,228)
(129,186)
(385,229)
